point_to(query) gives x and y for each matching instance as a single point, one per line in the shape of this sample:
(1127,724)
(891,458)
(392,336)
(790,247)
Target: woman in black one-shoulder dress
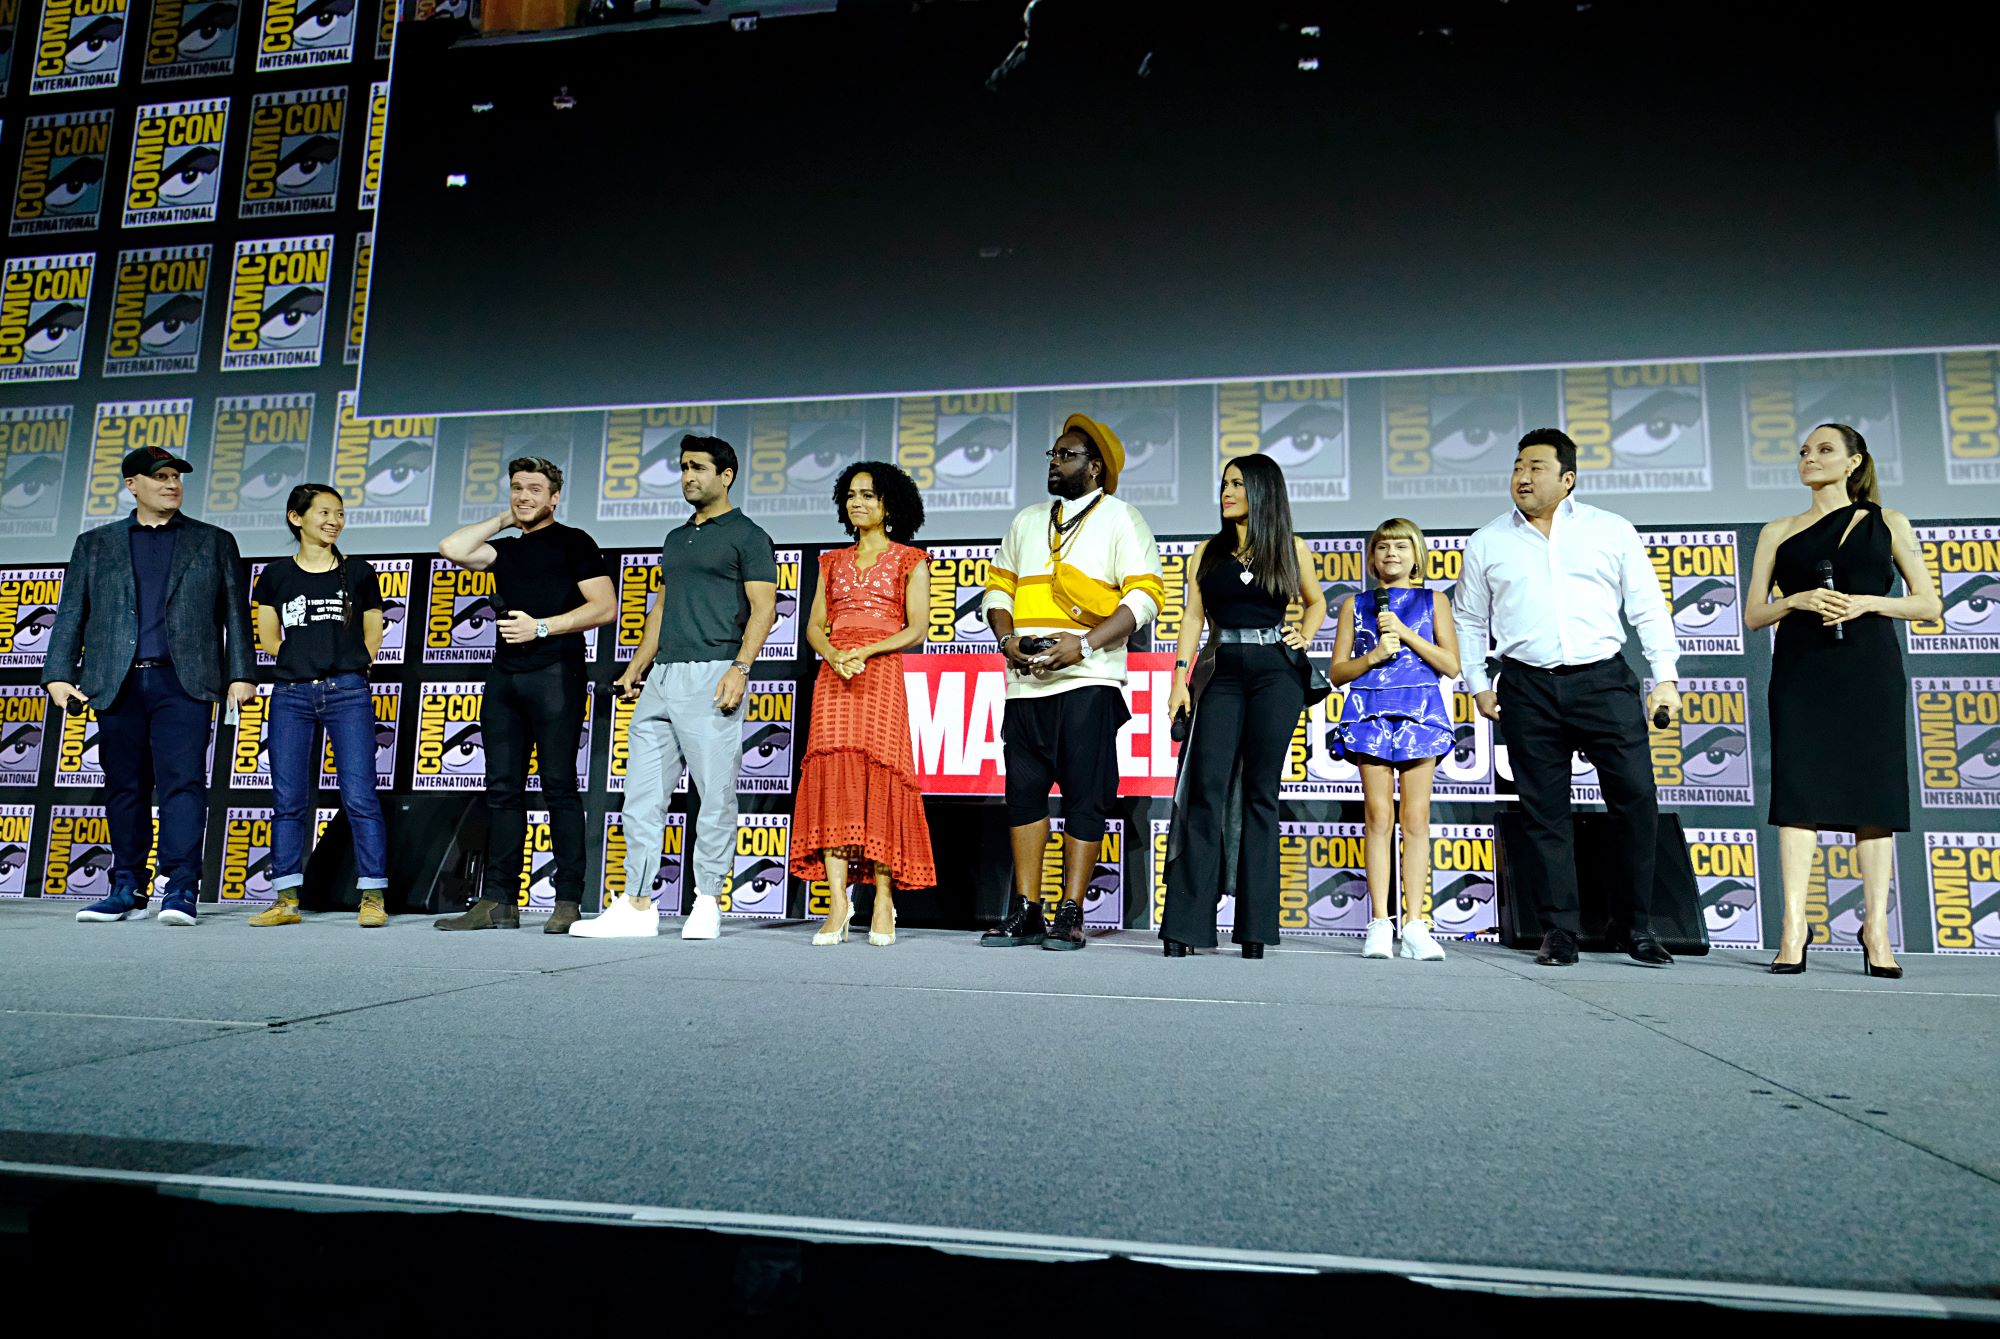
(1839,696)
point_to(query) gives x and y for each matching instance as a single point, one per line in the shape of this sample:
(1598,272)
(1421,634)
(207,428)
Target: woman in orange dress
(860,813)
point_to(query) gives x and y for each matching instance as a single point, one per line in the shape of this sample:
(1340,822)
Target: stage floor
(1707,1121)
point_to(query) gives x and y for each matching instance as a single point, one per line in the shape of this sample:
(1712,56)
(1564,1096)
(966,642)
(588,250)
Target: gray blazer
(96,632)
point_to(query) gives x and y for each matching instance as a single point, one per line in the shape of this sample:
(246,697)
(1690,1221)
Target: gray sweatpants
(675,721)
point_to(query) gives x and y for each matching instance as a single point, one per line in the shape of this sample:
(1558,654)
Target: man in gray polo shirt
(718,599)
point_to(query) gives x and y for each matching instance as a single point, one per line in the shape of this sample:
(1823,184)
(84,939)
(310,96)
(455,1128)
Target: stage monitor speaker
(437,845)
(1676,898)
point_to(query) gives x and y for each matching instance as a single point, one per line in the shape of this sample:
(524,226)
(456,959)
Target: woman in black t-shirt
(319,612)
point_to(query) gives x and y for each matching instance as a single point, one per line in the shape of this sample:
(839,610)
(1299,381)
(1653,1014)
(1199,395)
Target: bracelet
(1180,664)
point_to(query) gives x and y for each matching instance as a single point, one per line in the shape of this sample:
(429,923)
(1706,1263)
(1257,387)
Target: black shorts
(1068,740)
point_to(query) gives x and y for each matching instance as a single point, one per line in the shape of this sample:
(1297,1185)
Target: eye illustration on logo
(1973,605)
(1464,745)
(977,453)
(1703,603)
(1655,423)
(1581,768)
(73,189)
(1717,756)
(1844,913)
(767,751)
(1338,902)
(54,335)
(190,178)
(205,29)
(300,170)
(385,746)
(400,467)
(257,878)
(785,606)
(1336,591)
(293,320)
(1465,904)
(97,45)
(756,882)
(87,760)
(1726,907)
(272,471)
(89,871)
(969,616)
(1104,883)
(1864,407)
(823,453)
(13,868)
(21,742)
(660,466)
(472,620)
(666,879)
(1466,437)
(325,23)
(1304,434)
(173,326)
(1148,435)
(33,484)
(464,749)
(1979,760)
(1986,916)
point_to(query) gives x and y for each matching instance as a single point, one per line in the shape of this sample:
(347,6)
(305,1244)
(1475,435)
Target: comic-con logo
(1104,899)
(158,297)
(758,881)
(357,302)
(639,474)
(190,39)
(1970,387)
(783,643)
(378,130)
(17,838)
(798,450)
(1147,420)
(1225,908)
(250,752)
(385,30)
(621,744)
(1725,876)
(1462,883)
(1638,429)
(297,33)
(384,467)
(957,617)
(77,762)
(177,163)
(1958,742)
(246,856)
(1322,879)
(665,887)
(1469,770)
(118,427)
(34,447)
(24,726)
(392,576)
(61,184)
(769,736)
(451,750)
(256,456)
(1697,574)
(28,600)
(44,302)
(1964,869)
(1314,766)
(960,450)
(79,45)
(1964,561)
(461,618)
(1300,424)
(78,865)
(638,587)
(1450,436)
(1176,557)
(1704,756)
(277,303)
(491,442)
(580,764)
(1784,400)
(536,890)
(291,160)
(1341,569)
(1834,898)
(387,700)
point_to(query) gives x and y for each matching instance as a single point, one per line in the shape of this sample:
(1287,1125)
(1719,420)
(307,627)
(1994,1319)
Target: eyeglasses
(1067,453)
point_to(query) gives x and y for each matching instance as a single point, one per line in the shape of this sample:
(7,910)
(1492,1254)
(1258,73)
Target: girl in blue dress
(1395,647)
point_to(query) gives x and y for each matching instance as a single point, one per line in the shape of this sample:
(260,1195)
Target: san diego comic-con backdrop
(186,265)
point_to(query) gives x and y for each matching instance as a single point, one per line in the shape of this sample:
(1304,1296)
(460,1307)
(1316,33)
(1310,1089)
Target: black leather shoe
(1173,948)
(1024,925)
(1645,947)
(1253,950)
(1558,949)
(1067,932)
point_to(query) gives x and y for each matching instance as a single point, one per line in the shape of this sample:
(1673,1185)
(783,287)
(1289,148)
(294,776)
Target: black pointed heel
(1794,968)
(1173,948)
(1253,950)
(1868,964)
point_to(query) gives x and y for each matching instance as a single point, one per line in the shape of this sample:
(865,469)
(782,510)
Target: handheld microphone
(1824,570)
(1178,731)
(1662,716)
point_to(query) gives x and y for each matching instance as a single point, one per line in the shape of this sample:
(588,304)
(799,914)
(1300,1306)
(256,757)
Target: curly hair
(902,502)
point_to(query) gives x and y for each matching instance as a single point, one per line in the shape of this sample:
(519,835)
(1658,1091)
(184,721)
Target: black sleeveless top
(1232,598)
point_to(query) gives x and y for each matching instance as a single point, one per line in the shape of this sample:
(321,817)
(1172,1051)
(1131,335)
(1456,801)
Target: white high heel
(884,940)
(823,937)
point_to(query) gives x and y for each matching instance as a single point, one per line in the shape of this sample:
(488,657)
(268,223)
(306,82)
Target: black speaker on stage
(437,845)
(1676,898)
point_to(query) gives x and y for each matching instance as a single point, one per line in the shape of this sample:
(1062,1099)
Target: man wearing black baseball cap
(153,626)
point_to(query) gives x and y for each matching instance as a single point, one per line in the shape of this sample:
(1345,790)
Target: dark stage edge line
(1542,1283)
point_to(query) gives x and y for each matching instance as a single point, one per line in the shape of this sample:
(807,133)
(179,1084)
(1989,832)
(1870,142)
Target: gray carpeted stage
(1708,1121)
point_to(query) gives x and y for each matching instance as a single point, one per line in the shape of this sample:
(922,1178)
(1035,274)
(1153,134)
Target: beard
(539,515)
(1062,487)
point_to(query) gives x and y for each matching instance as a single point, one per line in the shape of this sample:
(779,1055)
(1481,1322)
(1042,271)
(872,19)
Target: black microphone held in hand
(1662,715)
(1824,570)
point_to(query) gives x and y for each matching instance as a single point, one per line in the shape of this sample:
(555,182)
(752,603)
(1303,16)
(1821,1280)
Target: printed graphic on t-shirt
(303,609)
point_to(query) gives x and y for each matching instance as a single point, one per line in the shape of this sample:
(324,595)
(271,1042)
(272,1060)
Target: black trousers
(539,710)
(1247,715)
(153,742)
(1596,710)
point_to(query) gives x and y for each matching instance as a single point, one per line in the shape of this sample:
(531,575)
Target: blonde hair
(1398,527)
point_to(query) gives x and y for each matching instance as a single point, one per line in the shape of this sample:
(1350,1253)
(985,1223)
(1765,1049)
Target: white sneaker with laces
(705,921)
(1418,944)
(1381,940)
(620,920)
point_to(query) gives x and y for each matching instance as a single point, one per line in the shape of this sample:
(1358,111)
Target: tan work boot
(284,911)
(485,914)
(566,914)
(374,911)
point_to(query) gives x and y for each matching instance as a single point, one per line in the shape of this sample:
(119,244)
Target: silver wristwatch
(541,628)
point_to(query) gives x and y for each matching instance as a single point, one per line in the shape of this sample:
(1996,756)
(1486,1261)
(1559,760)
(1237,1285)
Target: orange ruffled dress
(857,789)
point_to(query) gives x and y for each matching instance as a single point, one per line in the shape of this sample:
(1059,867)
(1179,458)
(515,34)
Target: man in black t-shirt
(551,583)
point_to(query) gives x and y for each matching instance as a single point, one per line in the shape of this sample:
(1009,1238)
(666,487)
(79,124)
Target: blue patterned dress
(1396,711)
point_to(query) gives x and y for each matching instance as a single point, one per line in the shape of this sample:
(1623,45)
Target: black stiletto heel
(1868,964)
(1793,968)
(1173,948)
(1253,950)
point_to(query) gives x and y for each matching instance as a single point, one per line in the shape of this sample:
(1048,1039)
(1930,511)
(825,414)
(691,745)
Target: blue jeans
(153,739)
(345,707)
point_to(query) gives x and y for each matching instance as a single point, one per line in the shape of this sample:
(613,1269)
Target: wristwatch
(541,628)
(1008,638)
(739,665)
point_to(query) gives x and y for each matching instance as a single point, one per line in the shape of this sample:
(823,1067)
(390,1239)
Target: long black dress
(1839,733)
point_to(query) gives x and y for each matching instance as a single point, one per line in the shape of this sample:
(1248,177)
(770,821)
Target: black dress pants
(1246,716)
(1596,710)
(539,710)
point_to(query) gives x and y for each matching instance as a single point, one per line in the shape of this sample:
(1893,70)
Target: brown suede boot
(566,914)
(484,914)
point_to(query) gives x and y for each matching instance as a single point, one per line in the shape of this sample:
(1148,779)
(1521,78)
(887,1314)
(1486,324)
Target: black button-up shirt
(152,560)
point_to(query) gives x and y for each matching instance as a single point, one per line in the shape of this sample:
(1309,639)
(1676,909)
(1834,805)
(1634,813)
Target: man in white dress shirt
(1548,580)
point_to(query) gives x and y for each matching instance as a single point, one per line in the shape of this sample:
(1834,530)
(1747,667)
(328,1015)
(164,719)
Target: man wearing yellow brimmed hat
(1075,577)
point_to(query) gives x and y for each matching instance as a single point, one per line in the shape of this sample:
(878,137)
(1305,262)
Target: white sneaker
(1381,940)
(620,920)
(705,921)
(1418,944)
